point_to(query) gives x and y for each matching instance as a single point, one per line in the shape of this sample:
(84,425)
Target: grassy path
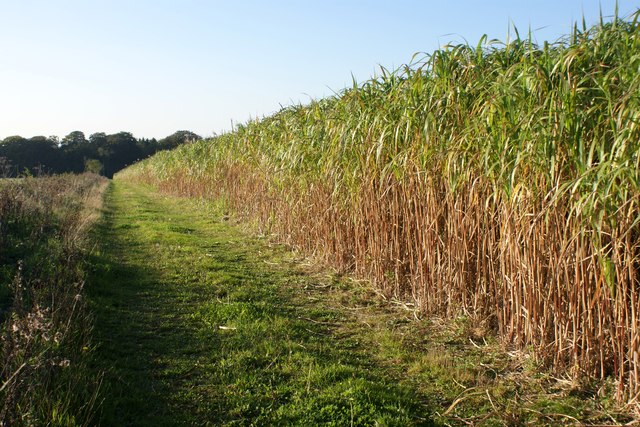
(199,324)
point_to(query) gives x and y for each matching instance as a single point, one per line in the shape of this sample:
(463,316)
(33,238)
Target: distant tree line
(100,153)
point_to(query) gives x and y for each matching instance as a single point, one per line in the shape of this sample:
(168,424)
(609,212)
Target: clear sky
(152,67)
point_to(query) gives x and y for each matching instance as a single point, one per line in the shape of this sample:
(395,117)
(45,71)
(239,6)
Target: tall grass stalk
(499,181)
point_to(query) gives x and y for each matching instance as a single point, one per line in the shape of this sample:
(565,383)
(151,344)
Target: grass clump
(498,181)
(45,329)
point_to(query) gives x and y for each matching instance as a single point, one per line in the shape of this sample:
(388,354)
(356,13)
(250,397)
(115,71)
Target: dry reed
(499,181)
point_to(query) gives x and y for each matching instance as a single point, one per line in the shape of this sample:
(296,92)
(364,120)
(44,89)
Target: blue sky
(152,67)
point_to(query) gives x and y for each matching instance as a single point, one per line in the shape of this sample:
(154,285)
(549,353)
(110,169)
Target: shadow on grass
(130,304)
(195,327)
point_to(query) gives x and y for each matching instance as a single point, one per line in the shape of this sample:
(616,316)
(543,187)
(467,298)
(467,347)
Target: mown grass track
(199,325)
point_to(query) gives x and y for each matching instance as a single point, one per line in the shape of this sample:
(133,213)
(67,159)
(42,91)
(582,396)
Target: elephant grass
(499,181)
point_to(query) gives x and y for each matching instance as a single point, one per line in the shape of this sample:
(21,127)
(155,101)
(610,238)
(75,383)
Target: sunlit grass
(199,324)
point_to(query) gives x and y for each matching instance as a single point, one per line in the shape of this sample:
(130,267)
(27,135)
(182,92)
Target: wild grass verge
(45,328)
(499,181)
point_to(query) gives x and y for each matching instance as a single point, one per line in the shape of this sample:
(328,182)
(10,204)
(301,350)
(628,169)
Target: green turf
(200,324)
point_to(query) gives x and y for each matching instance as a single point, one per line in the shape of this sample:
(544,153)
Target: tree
(75,149)
(119,151)
(177,138)
(93,166)
(147,147)
(101,153)
(5,167)
(74,138)
(37,154)
(98,139)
